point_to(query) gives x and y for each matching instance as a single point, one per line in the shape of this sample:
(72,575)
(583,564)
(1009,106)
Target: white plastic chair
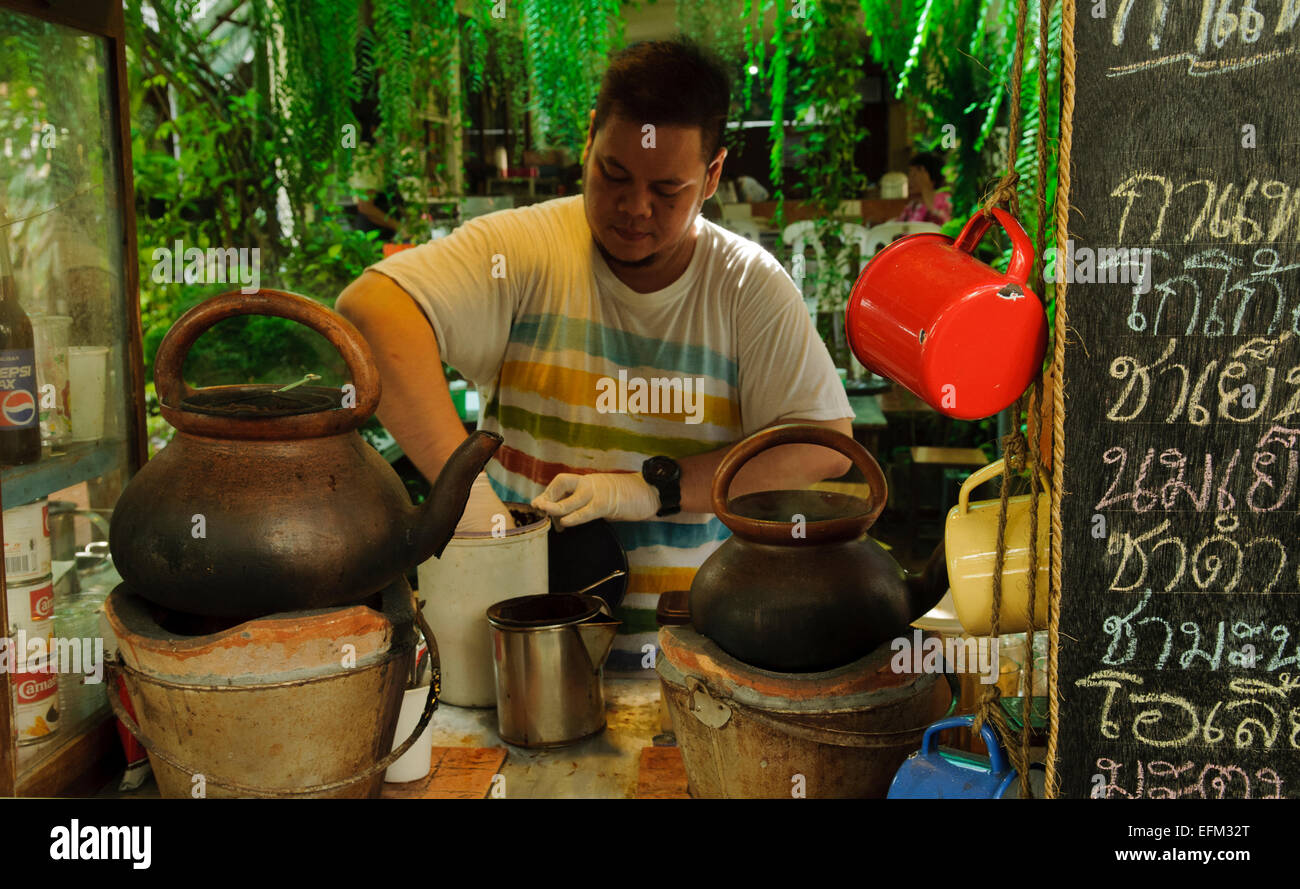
(886,232)
(746,228)
(799,236)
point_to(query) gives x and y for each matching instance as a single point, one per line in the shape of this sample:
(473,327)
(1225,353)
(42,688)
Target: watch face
(663,469)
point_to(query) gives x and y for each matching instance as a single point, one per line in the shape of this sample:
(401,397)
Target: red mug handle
(1022,249)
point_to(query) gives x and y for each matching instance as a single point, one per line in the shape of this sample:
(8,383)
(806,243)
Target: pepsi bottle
(20,428)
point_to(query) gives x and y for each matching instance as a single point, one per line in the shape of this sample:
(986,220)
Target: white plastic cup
(87,376)
(416,762)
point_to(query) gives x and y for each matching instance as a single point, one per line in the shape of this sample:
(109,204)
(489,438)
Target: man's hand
(621,496)
(482,509)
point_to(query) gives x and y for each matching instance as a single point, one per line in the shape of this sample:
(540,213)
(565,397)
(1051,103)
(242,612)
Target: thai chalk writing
(1212,564)
(1227,35)
(1184,290)
(1222,213)
(1160,779)
(1260,715)
(1264,482)
(1245,387)
(1142,639)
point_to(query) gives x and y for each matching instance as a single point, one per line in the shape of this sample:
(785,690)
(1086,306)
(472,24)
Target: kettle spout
(597,636)
(436,520)
(927,588)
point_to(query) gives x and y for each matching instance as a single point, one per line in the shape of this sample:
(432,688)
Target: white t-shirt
(580,373)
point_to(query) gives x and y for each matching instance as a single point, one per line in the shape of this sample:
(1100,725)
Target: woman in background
(926,203)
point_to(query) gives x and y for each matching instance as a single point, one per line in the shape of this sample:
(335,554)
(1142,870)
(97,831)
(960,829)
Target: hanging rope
(1040,146)
(1019,453)
(989,707)
(1005,191)
(1058,390)
(1035,482)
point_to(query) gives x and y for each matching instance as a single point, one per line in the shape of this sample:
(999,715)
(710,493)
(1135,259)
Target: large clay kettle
(799,587)
(270,500)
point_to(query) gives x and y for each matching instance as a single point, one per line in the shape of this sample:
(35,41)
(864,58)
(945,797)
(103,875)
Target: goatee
(634,264)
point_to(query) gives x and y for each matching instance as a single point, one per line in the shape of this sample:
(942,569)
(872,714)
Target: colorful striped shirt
(579,373)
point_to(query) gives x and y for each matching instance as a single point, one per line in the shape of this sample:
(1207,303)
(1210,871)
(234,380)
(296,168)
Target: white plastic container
(417,761)
(475,572)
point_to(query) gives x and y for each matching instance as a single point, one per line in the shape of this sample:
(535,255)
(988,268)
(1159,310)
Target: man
(567,314)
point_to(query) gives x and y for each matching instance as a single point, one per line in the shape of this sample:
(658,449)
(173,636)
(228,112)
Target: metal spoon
(617,572)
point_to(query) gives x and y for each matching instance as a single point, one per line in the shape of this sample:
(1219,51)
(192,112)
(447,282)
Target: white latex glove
(621,496)
(482,509)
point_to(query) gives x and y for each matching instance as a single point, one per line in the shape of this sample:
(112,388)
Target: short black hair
(933,164)
(673,82)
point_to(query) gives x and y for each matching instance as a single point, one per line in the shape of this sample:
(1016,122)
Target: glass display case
(71,387)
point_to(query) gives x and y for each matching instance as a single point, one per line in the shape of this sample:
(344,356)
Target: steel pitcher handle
(1022,249)
(798,433)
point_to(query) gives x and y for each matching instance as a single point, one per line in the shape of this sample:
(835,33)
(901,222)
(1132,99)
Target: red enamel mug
(960,335)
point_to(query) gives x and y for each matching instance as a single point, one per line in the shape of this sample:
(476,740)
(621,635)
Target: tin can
(36,703)
(31,608)
(27,542)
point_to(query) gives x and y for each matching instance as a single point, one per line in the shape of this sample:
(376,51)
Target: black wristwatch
(666,475)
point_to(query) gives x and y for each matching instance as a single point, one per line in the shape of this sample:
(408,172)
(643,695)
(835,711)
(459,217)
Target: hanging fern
(923,22)
(394,69)
(778,71)
(568,44)
(831,57)
(317,91)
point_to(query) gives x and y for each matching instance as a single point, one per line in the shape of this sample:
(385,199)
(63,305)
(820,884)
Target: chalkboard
(1180,610)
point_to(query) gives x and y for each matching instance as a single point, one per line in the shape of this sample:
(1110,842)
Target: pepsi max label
(18,408)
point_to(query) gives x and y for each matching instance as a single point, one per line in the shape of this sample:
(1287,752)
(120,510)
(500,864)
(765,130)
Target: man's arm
(786,467)
(416,405)
(626,496)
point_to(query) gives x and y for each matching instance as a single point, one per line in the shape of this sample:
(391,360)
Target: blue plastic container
(943,773)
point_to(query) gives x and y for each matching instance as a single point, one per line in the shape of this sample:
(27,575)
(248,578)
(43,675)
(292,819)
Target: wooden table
(864,211)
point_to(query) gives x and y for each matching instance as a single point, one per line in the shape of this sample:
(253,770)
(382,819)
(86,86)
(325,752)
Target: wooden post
(452,150)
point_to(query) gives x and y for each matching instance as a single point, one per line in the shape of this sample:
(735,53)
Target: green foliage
(495,56)
(953,63)
(318,41)
(832,52)
(223,160)
(568,43)
(810,70)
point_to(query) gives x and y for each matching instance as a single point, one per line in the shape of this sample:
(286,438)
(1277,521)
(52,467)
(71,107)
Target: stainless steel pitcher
(548,654)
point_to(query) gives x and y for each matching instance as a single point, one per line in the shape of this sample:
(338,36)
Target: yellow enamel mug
(971,535)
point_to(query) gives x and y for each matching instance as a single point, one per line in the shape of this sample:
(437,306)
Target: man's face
(643,190)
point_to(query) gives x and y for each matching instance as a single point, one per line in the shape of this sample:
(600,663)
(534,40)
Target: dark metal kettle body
(799,587)
(270,500)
